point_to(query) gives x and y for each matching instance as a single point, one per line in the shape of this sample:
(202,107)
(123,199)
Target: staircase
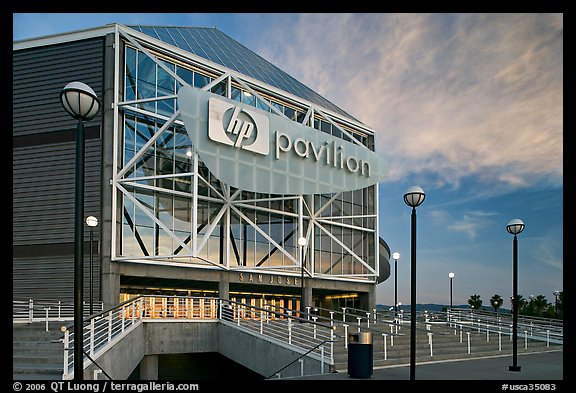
(446,345)
(37,354)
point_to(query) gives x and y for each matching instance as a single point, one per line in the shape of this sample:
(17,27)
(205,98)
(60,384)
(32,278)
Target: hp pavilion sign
(231,125)
(254,150)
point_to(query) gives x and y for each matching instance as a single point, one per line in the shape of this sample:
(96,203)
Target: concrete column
(371,297)
(224,286)
(149,368)
(109,279)
(368,299)
(307,292)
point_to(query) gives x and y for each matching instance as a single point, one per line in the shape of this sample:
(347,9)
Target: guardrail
(30,310)
(315,339)
(102,330)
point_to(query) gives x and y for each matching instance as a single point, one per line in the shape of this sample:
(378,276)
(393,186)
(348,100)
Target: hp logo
(237,126)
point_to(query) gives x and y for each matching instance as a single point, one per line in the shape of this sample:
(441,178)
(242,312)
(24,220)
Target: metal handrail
(40,310)
(103,329)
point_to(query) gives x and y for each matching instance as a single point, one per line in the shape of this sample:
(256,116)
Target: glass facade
(171,209)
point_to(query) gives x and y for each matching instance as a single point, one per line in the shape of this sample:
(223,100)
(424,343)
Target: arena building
(211,173)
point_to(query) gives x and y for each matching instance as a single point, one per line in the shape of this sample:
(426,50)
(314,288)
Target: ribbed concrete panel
(43,169)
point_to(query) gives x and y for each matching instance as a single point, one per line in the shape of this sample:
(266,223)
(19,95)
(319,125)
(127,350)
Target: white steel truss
(228,203)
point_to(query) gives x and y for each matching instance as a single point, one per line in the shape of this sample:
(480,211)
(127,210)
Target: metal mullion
(264,234)
(227,230)
(153,217)
(265,209)
(340,224)
(268,199)
(346,248)
(194,223)
(212,226)
(155,116)
(212,188)
(257,95)
(347,275)
(341,129)
(214,82)
(150,142)
(269,267)
(155,188)
(171,176)
(356,216)
(154,58)
(144,100)
(316,214)
(309,114)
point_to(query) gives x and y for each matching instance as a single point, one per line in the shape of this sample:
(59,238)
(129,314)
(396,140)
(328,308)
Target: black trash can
(360,355)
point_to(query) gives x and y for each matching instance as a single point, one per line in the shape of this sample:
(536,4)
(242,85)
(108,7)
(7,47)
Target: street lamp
(396,256)
(92,222)
(413,198)
(515,227)
(451,276)
(556,294)
(302,242)
(80,101)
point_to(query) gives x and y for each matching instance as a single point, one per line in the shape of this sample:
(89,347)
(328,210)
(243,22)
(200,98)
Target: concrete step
(36,353)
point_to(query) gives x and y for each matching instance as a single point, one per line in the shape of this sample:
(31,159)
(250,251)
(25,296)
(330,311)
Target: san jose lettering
(329,152)
(268,279)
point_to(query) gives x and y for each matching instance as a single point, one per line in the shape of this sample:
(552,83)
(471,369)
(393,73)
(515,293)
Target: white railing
(312,338)
(538,329)
(102,330)
(30,310)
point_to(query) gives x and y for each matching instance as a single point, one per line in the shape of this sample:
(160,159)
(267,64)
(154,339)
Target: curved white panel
(254,150)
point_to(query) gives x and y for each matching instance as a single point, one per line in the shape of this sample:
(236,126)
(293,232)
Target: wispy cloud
(468,223)
(465,94)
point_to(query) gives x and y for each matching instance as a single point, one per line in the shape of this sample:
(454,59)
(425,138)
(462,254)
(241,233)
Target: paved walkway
(541,367)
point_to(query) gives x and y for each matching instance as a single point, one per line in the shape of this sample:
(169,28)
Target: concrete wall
(120,360)
(262,356)
(181,337)
(153,338)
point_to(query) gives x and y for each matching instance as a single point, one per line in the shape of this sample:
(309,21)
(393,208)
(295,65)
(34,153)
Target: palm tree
(475,302)
(540,304)
(496,301)
(522,305)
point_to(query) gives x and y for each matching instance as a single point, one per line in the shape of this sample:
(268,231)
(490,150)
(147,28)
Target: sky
(469,107)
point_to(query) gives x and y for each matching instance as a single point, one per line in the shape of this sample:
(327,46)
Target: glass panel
(130,86)
(248,98)
(129,138)
(262,105)
(201,80)
(185,74)
(325,127)
(219,89)
(146,84)
(236,94)
(182,214)
(290,113)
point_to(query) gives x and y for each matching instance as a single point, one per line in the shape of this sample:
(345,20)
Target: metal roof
(214,45)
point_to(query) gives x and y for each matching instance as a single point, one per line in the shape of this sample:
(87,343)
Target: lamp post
(556,294)
(396,256)
(413,198)
(302,242)
(515,227)
(451,276)
(80,101)
(92,222)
